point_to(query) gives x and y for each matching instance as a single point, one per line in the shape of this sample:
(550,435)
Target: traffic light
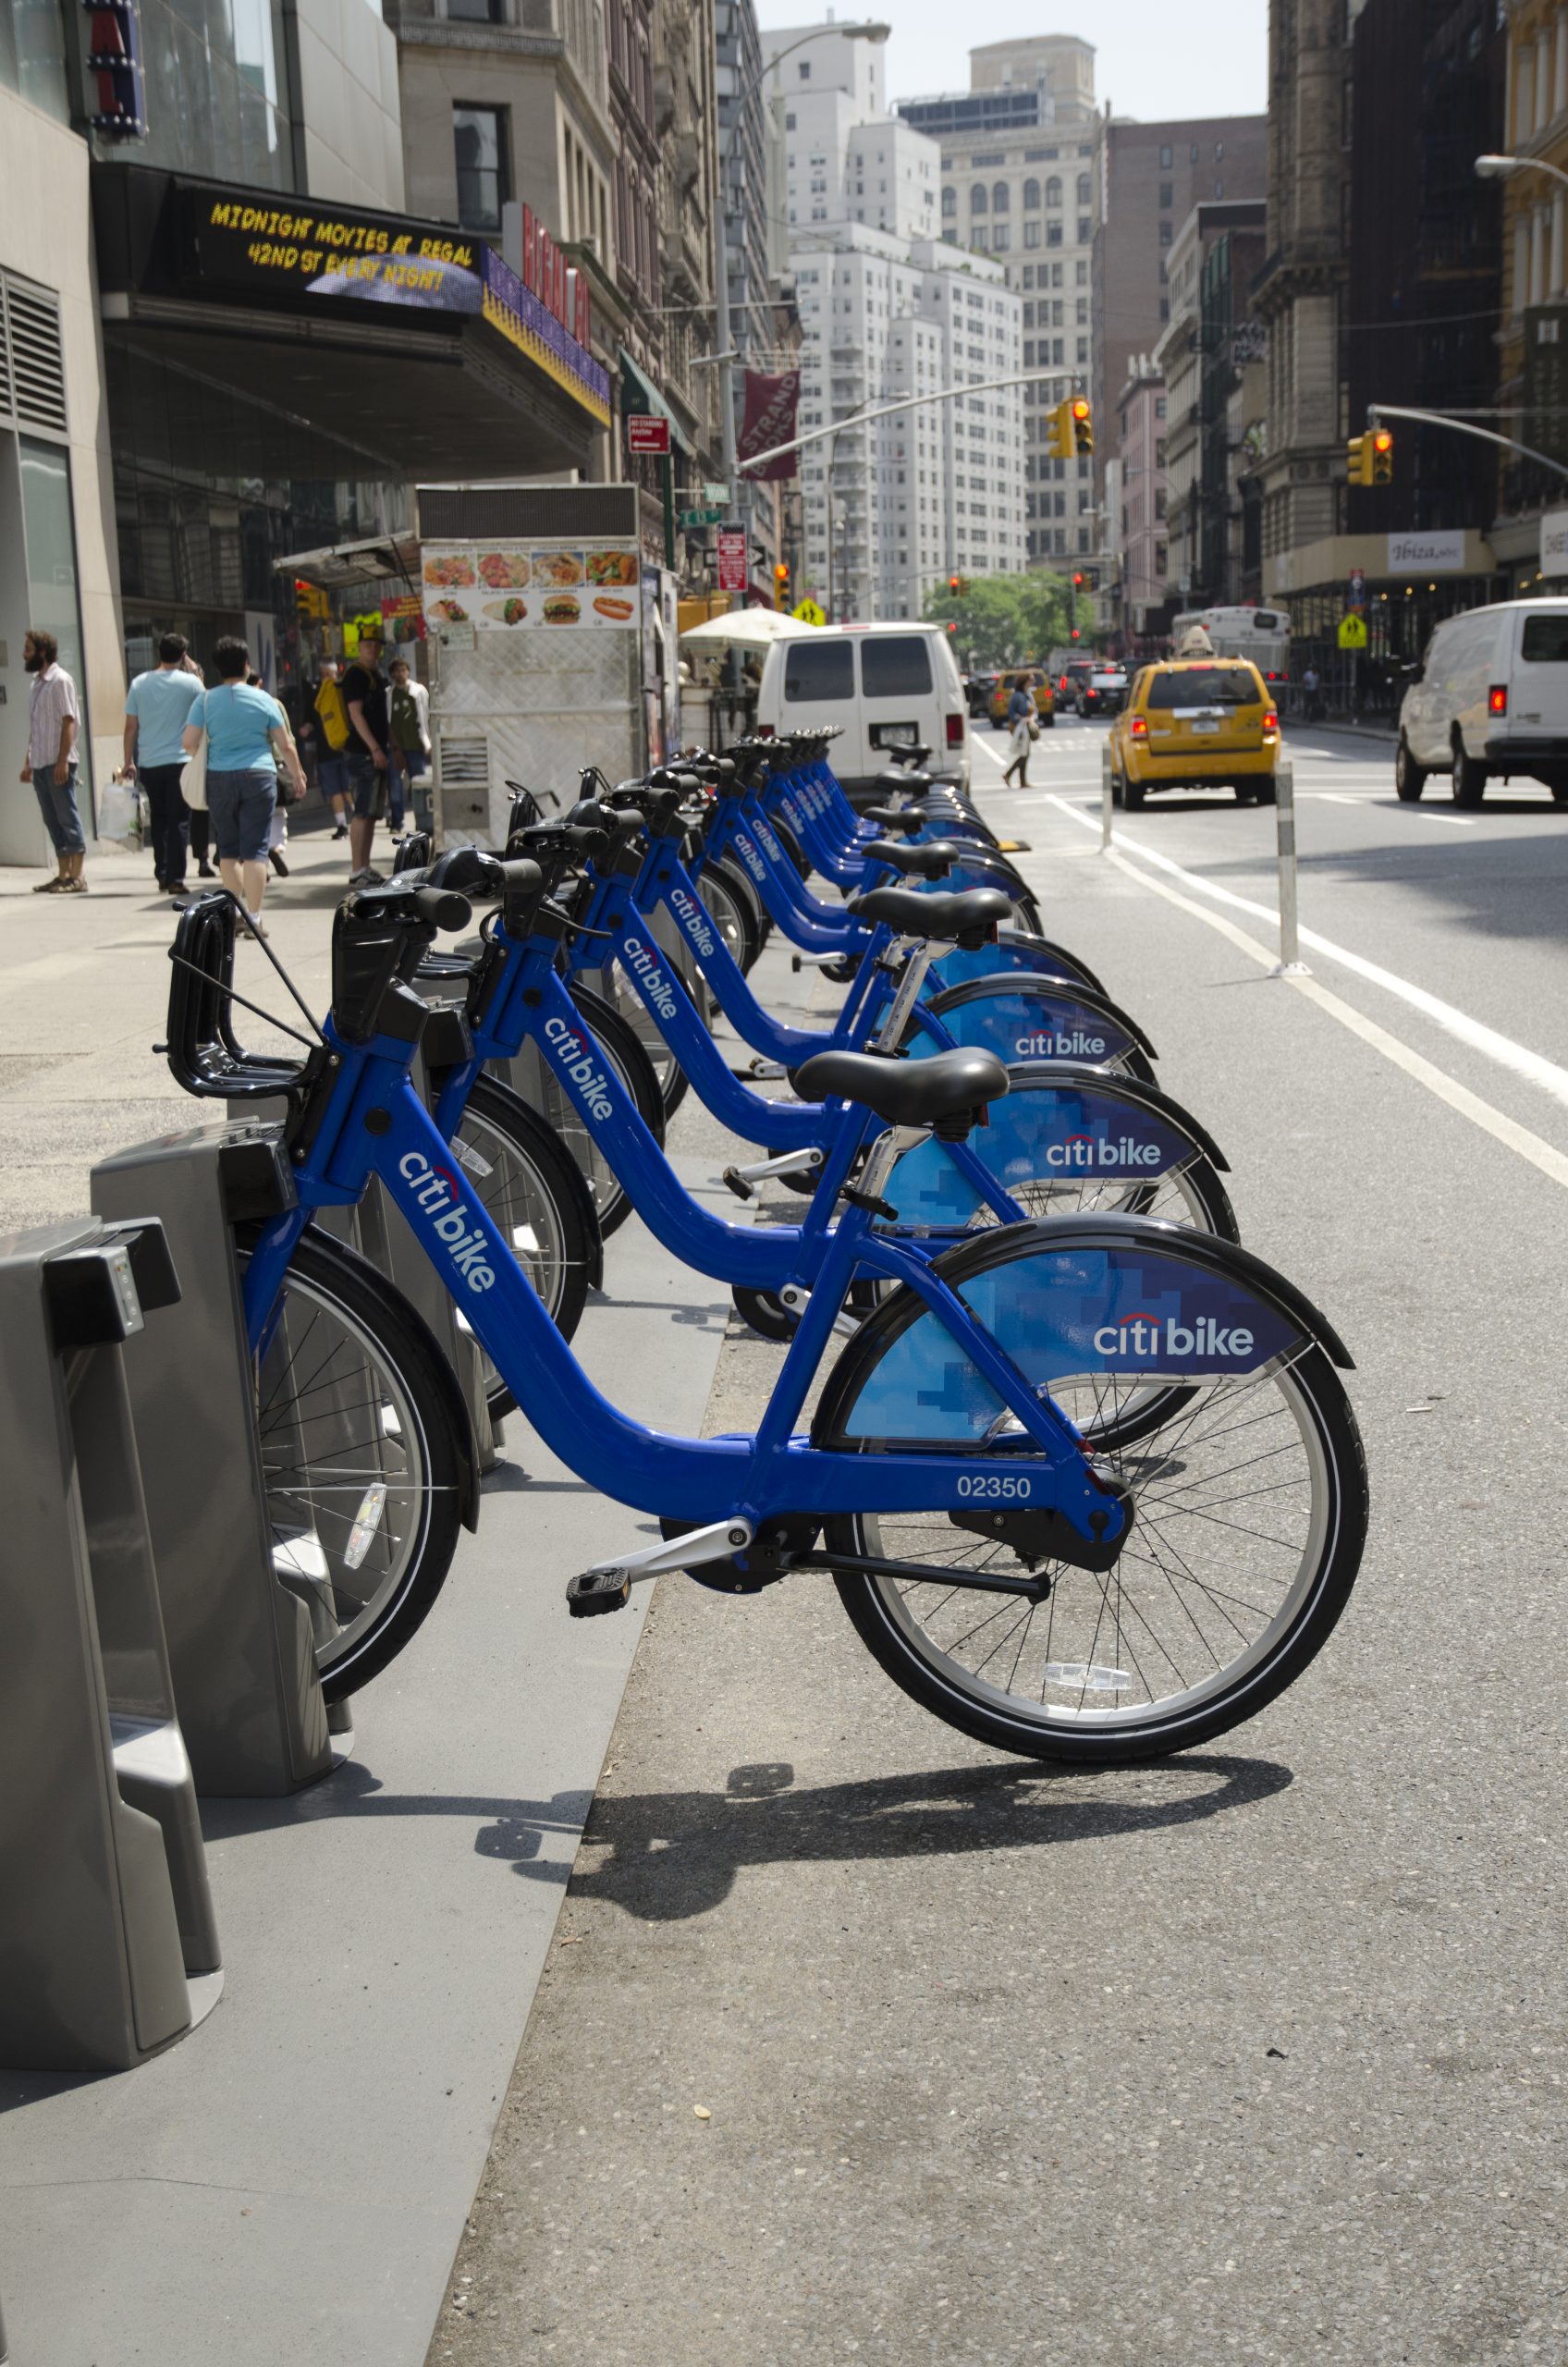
(1371,458)
(781,585)
(1083,424)
(952,586)
(1058,441)
(1077,583)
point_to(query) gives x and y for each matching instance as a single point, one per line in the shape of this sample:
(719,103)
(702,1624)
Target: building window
(1166,194)
(804,71)
(1000,197)
(1082,189)
(1053,234)
(474,12)
(1030,234)
(479,138)
(1086,229)
(950,204)
(1053,191)
(789,126)
(1031,197)
(1165,234)
(1166,159)
(977,198)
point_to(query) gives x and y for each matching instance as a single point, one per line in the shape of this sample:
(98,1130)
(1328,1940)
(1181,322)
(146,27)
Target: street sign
(647,434)
(692,519)
(809,613)
(1353,633)
(1358,587)
(720,493)
(732,559)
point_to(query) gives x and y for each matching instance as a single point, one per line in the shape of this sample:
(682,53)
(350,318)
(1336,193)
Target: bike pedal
(594,1592)
(767,1072)
(737,1183)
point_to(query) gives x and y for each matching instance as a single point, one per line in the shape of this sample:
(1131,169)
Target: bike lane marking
(1492,1121)
(1500,1049)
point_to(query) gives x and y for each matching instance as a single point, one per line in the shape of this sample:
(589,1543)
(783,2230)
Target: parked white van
(888,686)
(1489,701)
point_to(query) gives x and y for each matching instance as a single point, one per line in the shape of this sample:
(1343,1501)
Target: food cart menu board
(523,587)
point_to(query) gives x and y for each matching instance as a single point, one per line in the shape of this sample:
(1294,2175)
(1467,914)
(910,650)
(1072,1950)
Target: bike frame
(375,1124)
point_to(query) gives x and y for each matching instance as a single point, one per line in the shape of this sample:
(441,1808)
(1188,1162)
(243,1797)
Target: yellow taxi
(1194,724)
(1033,678)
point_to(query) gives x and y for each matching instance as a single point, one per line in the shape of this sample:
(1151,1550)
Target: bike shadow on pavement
(663,1857)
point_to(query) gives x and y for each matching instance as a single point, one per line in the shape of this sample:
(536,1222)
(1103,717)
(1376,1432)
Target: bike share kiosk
(111,1951)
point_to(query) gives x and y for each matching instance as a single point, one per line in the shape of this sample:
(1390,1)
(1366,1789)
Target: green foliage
(1011,619)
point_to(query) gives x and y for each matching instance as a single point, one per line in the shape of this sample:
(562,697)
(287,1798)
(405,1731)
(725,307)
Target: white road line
(1454,821)
(1494,1121)
(1516,1057)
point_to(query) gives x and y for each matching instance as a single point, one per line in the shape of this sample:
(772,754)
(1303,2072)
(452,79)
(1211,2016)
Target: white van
(1490,700)
(888,686)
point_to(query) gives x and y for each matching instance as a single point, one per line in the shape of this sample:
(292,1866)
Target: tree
(1011,620)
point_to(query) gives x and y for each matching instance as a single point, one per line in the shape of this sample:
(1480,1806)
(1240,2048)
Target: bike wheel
(730,905)
(532,1190)
(361,1459)
(1250,1518)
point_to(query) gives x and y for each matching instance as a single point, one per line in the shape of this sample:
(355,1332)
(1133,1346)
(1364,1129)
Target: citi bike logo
(437,1192)
(637,956)
(1143,1335)
(692,919)
(768,842)
(571,1056)
(1059,1044)
(1080,1151)
(750,856)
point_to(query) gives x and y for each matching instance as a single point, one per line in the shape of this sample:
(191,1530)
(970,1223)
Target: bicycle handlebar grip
(466,871)
(521,877)
(443,908)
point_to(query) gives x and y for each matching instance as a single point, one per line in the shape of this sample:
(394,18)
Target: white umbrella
(745,629)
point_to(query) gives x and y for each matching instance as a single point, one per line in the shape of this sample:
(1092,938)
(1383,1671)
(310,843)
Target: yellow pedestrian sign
(809,613)
(1353,633)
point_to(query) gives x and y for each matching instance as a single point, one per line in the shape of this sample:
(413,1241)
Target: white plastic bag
(119,814)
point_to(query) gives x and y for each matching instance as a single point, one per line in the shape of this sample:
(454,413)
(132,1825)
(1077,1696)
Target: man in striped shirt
(53,720)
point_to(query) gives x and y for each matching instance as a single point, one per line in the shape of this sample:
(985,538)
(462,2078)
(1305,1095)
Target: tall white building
(892,507)
(1019,182)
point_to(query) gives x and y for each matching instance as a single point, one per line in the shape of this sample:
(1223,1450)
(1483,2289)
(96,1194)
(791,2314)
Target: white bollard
(1107,809)
(1289,964)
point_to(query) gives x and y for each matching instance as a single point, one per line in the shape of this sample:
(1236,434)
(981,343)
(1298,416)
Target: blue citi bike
(1089,1488)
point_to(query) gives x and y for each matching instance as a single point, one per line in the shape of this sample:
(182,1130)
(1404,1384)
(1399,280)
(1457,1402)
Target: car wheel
(1267,792)
(1469,777)
(1133,795)
(1410,779)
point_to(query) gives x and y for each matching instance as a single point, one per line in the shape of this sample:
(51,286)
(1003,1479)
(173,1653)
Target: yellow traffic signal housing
(1382,445)
(1060,443)
(1081,424)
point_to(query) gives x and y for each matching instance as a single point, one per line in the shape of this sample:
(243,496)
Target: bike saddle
(966,916)
(933,862)
(897,779)
(894,817)
(907,1093)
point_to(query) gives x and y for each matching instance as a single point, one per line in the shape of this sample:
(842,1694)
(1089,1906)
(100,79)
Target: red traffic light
(1073,634)
(1081,407)
(1077,583)
(1382,440)
(952,583)
(951,627)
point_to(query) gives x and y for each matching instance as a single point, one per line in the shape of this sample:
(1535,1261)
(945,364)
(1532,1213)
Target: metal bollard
(106,1929)
(236,1608)
(1107,806)
(1289,964)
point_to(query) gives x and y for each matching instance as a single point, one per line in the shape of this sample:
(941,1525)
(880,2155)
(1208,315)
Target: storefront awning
(638,393)
(342,565)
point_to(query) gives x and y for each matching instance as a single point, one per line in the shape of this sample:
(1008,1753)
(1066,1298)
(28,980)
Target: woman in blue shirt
(247,738)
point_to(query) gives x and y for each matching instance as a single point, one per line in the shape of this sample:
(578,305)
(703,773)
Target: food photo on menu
(558,569)
(449,567)
(505,570)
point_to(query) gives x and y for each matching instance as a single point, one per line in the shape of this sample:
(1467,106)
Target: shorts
(369,780)
(332,773)
(240,808)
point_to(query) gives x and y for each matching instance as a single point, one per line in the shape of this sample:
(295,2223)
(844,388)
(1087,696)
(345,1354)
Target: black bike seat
(896,778)
(933,862)
(945,917)
(893,818)
(907,1093)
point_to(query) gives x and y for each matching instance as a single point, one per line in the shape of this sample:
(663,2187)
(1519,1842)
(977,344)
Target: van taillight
(762,730)
(1497,699)
(955,731)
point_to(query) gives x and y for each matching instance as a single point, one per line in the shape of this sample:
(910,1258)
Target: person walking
(247,740)
(1309,683)
(410,709)
(332,764)
(370,767)
(157,708)
(53,722)
(1023,728)
(193,789)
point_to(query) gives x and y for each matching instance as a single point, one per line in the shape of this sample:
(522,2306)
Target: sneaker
(341,831)
(49,886)
(253,923)
(205,871)
(73,887)
(277,863)
(366,878)
(174,888)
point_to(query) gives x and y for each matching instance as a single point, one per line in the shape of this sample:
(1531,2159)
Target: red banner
(769,419)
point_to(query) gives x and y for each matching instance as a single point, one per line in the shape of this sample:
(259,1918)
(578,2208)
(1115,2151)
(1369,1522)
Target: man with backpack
(332,763)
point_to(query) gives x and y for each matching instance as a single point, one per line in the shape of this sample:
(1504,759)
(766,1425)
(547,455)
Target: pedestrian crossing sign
(1353,633)
(809,613)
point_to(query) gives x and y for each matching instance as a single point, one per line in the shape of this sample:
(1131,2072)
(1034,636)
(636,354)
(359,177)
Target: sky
(1152,59)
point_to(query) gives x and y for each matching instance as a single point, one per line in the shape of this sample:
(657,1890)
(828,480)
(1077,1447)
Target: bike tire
(918,1643)
(534,1188)
(728,898)
(352,1394)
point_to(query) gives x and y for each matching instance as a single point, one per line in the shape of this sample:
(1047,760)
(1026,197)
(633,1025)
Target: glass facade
(217,91)
(32,54)
(210,488)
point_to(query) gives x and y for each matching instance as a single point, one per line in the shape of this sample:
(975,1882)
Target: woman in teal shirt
(247,738)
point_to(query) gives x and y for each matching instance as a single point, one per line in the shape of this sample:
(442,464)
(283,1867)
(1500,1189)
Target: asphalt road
(1256,2055)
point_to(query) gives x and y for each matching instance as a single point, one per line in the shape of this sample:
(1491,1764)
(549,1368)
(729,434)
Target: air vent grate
(465,763)
(33,374)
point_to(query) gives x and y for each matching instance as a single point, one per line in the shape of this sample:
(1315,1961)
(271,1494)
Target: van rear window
(895,666)
(1545,641)
(818,670)
(1206,686)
